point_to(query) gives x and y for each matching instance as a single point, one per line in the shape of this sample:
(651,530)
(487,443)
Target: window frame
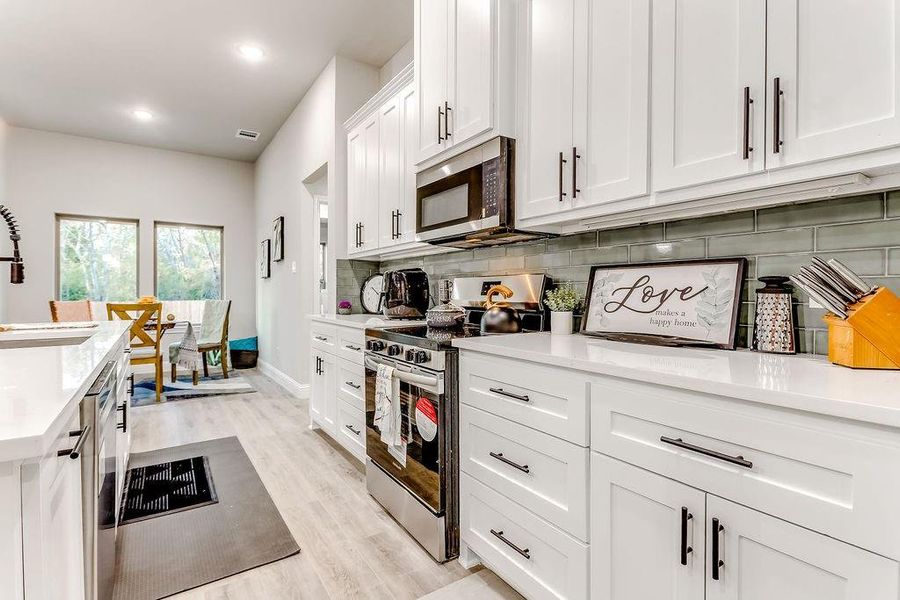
(219,228)
(58,217)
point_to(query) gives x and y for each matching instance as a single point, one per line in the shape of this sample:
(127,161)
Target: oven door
(418,465)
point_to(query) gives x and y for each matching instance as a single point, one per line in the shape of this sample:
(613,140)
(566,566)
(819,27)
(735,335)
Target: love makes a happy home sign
(689,302)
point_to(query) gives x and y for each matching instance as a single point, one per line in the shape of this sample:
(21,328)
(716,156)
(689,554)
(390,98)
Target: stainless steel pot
(445,314)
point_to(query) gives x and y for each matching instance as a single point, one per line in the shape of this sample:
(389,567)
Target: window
(97,258)
(188,262)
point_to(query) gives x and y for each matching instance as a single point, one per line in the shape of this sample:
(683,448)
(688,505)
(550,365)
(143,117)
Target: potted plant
(562,302)
(344,307)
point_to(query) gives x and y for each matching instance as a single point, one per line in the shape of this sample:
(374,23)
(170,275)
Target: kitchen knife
(850,277)
(801,282)
(833,280)
(823,287)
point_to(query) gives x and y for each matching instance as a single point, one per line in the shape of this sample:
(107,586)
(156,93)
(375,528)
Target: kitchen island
(50,447)
(729,474)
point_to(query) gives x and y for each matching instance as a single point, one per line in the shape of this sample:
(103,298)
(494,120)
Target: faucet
(17,268)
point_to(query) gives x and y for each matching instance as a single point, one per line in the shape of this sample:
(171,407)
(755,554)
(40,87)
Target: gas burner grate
(166,488)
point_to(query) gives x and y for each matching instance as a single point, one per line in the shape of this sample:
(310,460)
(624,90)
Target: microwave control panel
(490,186)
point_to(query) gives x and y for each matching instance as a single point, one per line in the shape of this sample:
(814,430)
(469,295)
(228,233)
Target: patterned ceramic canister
(773,328)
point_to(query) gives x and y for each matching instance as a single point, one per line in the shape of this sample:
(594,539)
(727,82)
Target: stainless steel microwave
(469,200)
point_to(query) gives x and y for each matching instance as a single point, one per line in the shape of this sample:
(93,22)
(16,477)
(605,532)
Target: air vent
(246,134)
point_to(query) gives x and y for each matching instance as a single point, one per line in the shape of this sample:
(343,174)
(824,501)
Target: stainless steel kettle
(500,317)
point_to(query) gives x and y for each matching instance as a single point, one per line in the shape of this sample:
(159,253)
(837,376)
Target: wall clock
(370,293)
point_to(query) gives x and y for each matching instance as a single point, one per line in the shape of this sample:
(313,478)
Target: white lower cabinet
(351,429)
(323,390)
(647,535)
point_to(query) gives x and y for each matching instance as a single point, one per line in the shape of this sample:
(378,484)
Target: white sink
(36,335)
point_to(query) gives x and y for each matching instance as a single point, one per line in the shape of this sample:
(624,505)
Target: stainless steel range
(417,482)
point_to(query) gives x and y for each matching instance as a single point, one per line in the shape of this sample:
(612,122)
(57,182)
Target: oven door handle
(413,378)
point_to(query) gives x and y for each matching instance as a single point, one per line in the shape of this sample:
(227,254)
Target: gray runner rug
(171,553)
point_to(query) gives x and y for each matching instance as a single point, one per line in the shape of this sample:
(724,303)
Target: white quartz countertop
(802,382)
(362,321)
(39,385)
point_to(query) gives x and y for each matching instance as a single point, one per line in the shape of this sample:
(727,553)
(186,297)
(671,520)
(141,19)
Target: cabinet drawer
(551,400)
(350,344)
(545,474)
(836,477)
(322,336)
(351,429)
(530,554)
(351,383)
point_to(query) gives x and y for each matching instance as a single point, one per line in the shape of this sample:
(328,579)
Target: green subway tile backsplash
(862,231)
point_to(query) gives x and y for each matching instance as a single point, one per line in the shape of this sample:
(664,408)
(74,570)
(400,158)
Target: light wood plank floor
(349,547)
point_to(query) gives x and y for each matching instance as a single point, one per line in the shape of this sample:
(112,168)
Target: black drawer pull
(75,451)
(716,562)
(354,348)
(503,392)
(499,535)
(124,424)
(499,456)
(355,386)
(735,460)
(321,339)
(685,549)
(353,429)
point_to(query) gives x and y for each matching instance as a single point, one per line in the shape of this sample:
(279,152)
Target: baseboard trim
(300,390)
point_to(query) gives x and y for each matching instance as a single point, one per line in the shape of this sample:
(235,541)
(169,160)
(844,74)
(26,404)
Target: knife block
(869,338)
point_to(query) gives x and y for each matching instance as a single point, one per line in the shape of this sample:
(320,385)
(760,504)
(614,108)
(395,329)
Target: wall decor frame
(676,303)
(278,239)
(265,256)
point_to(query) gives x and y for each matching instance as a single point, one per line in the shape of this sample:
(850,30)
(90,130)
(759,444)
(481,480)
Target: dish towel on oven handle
(387,406)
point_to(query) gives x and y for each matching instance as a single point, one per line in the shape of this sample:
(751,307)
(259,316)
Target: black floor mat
(162,489)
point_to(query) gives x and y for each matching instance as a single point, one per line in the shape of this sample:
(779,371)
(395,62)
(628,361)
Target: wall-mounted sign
(677,303)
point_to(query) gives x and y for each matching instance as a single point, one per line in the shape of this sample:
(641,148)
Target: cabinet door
(471,64)
(316,390)
(329,392)
(838,64)
(356,174)
(549,93)
(705,52)
(410,139)
(432,73)
(369,198)
(640,521)
(612,96)
(62,531)
(764,558)
(390,171)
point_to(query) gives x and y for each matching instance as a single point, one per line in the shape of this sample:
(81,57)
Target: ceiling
(84,67)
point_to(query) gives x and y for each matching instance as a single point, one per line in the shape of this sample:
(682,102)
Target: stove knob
(410,355)
(375,345)
(394,350)
(421,356)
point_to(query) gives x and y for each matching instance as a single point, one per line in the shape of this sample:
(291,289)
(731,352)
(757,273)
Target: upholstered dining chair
(144,340)
(64,311)
(213,336)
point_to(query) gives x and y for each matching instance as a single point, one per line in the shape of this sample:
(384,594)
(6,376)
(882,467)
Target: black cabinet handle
(75,452)
(124,424)
(499,456)
(397,216)
(353,429)
(447,110)
(747,102)
(776,116)
(393,224)
(716,562)
(362,239)
(524,552)
(131,377)
(685,549)
(575,157)
(679,443)
(503,392)
(440,116)
(318,365)
(355,386)
(562,161)
(354,348)
(321,339)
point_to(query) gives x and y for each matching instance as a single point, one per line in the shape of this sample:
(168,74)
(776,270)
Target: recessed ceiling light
(251,53)
(142,115)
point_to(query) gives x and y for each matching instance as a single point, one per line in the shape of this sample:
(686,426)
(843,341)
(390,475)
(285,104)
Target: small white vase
(560,322)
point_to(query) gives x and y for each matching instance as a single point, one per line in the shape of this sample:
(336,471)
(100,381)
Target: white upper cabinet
(465,74)
(390,170)
(753,556)
(547,132)
(406,219)
(838,70)
(362,186)
(585,82)
(709,69)
(432,50)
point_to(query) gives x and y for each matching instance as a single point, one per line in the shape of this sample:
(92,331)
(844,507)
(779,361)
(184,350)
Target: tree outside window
(96,259)
(188,262)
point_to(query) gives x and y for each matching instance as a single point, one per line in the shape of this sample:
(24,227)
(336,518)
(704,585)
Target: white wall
(395,64)
(309,143)
(49,173)
(5,244)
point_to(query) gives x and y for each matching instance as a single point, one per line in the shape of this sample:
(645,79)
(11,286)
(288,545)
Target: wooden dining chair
(64,311)
(213,336)
(144,340)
